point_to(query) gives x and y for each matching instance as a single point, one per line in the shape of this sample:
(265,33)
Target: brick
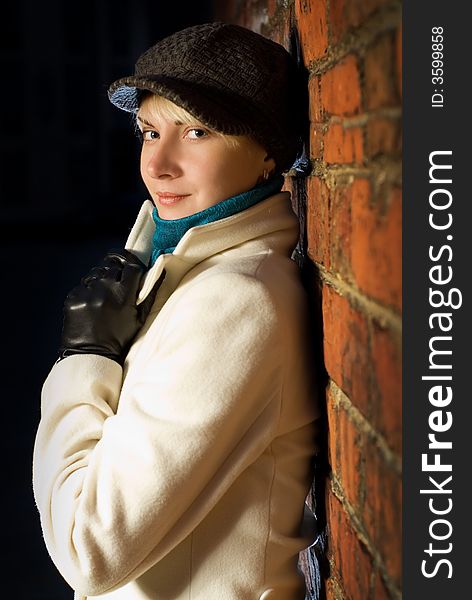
(317,133)
(343,145)
(340,88)
(376,245)
(380,591)
(338,25)
(383,137)
(346,348)
(387,367)
(383,519)
(311,18)
(318,221)
(379,86)
(398,59)
(350,444)
(352,239)
(345,445)
(254,15)
(340,230)
(284,28)
(316,110)
(332,414)
(271,8)
(349,14)
(358,11)
(334,590)
(349,555)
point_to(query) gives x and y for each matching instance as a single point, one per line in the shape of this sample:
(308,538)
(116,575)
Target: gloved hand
(101,315)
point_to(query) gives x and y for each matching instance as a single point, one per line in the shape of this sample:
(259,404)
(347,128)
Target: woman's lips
(167,198)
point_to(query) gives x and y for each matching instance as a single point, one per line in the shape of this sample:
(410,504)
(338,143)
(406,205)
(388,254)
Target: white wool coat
(183,475)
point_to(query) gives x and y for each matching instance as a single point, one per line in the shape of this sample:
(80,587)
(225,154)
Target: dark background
(69,190)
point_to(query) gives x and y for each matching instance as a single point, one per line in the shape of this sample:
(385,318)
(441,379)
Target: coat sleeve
(122,474)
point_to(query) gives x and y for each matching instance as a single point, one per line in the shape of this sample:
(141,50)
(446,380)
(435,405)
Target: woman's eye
(196,134)
(149,135)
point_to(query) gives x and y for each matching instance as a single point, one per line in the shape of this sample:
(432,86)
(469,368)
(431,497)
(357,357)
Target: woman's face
(187,168)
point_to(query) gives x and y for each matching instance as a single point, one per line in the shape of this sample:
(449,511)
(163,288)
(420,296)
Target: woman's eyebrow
(149,124)
(144,121)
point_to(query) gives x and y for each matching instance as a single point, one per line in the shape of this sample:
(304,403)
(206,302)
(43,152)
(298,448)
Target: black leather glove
(101,315)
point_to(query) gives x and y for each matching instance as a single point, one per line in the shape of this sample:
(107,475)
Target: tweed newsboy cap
(230,78)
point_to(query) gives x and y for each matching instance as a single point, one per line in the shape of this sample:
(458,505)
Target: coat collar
(269,224)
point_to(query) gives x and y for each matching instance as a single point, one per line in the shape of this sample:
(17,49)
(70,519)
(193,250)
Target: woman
(173,455)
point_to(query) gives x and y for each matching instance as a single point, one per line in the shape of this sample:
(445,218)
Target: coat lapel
(270,223)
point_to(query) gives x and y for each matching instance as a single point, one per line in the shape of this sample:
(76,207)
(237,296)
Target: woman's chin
(175,208)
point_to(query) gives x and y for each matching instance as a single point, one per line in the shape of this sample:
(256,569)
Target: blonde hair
(167,110)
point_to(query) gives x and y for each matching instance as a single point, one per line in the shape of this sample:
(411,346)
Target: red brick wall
(352,49)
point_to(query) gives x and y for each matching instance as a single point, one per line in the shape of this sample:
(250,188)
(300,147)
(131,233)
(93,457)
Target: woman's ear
(268,169)
(269,164)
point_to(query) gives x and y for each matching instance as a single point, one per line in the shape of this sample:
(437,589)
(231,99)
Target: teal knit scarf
(169,231)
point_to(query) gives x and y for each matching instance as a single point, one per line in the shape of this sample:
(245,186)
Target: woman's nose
(162,161)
